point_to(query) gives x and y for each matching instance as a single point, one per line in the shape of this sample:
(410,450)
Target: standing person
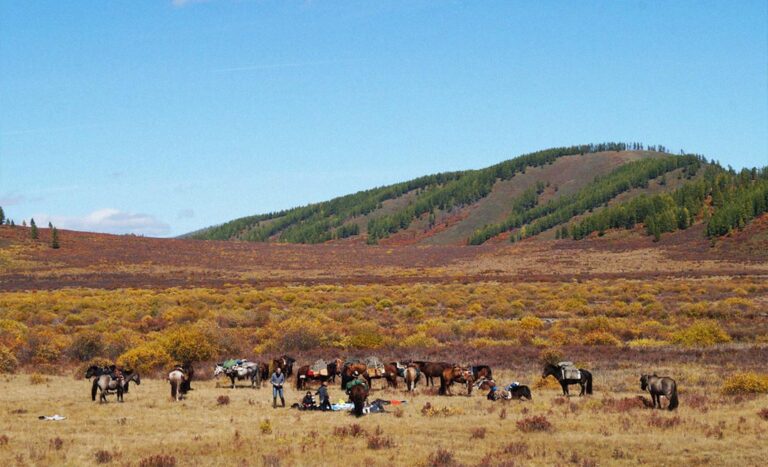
(322,393)
(277,380)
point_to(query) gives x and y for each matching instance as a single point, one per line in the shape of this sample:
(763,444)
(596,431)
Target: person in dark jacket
(277,380)
(322,393)
(308,403)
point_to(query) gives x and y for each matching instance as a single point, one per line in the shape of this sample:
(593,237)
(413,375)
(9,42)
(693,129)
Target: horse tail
(527,393)
(673,402)
(589,383)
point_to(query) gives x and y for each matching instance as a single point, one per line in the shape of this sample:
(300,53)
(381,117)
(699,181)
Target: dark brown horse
(660,386)
(358,395)
(431,370)
(481,372)
(455,374)
(285,363)
(304,375)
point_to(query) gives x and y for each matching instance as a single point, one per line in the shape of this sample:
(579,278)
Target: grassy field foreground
(610,428)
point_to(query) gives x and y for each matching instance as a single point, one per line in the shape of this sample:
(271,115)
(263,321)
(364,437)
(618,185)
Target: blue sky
(161,117)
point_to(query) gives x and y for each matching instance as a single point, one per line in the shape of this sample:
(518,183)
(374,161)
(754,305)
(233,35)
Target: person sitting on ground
(277,380)
(322,393)
(308,403)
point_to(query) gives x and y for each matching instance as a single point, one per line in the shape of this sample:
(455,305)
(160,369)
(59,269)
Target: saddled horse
(455,374)
(585,380)
(389,374)
(245,370)
(109,385)
(285,363)
(506,393)
(432,370)
(660,386)
(304,375)
(177,377)
(348,373)
(358,394)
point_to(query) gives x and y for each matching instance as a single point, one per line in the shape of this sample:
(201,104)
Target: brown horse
(481,372)
(304,376)
(285,363)
(432,370)
(348,373)
(358,394)
(411,376)
(389,374)
(455,374)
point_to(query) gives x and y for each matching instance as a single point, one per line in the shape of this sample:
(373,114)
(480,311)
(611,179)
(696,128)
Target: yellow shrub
(8,362)
(146,358)
(364,336)
(12,333)
(601,338)
(189,344)
(701,333)
(746,383)
(531,323)
(419,340)
(646,343)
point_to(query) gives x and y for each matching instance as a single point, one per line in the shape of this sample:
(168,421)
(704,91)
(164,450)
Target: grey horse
(660,386)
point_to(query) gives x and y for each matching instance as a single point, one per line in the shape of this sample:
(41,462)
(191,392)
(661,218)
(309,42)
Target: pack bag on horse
(567,374)
(659,386)
(111,380)
(239,370)
(455,374)
(318,371)
(377,369)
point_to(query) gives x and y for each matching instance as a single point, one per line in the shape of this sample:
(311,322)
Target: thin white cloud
(11,199)
(181,3)
(110,220)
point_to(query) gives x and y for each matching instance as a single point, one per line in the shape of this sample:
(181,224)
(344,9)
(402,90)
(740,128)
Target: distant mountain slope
(551,191)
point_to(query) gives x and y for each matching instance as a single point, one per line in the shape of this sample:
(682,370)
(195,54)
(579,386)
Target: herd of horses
(410,372)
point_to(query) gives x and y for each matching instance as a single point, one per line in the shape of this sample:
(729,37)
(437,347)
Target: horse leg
(565,388)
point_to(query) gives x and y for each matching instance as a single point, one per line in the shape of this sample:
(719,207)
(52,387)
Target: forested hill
(567,191)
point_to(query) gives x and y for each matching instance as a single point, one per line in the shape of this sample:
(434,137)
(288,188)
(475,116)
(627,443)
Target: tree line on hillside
(541,217)
(474,186)
(324,221)
(723,199)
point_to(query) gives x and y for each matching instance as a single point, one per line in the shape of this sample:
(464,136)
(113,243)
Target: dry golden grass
(605,429)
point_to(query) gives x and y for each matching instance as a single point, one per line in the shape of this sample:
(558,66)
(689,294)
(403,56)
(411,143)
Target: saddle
(569,370)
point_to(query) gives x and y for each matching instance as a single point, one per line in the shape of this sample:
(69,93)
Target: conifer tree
(54,238)
(2,216)
(33,229)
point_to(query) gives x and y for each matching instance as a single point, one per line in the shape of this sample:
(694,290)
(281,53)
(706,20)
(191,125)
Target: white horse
(176,378)
(245,370)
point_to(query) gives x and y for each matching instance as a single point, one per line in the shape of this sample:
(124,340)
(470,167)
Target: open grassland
(612,427)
